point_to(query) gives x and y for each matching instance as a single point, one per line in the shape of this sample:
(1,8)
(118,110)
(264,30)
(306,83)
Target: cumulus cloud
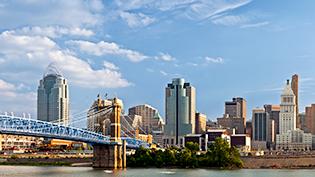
(11,95)
(107,48)
(58,12)
(217,60)
(36,52)
(53,31)
(136,19)
(164,57)
(110,65)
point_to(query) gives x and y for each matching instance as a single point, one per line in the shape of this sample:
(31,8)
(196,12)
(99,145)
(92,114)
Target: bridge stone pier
(113,155)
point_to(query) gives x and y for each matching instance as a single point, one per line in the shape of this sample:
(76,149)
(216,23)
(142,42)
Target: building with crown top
(290,137)
(53,97)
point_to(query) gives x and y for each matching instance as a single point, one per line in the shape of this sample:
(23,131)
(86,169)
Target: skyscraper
(289,137)
(295,89)
(236,108)
(310,119)
(180,106)
(53,97)
(263,128)
(148,114)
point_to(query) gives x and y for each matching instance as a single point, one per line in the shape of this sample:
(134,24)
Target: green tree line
(219,155)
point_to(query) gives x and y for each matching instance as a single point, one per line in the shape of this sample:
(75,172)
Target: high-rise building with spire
(290,137)
(53,97)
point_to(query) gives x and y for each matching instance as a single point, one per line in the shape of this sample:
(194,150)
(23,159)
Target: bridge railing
(31,127)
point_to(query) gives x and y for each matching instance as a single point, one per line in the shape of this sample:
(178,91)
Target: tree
(193,147)
(221,155)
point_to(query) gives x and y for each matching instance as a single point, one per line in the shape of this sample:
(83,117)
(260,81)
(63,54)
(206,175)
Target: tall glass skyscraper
(180,109)
(53,97)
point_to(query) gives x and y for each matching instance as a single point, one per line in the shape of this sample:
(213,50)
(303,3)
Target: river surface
(30,171)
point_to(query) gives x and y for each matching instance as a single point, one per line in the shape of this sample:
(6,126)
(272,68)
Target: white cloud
(107,48)
(58,12)
(255,25)
(191,9)
(110,65)
(217,60)
(135,20)
(54,31)
(5,86)
(230,20)
(34,53)
(15,100)
(165,57)
(163,73)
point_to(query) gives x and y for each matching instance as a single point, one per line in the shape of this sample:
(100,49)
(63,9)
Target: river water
(29,171)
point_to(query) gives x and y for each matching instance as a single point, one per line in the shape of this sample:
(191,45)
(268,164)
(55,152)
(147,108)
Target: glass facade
(53,98)
(179,110)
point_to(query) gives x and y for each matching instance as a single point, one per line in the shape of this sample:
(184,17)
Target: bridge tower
(113,155)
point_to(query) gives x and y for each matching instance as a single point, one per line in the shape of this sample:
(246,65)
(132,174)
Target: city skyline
(223,48)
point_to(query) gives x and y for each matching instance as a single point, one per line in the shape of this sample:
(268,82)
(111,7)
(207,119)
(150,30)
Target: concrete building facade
(236,108)
(151,119)
(201,123)
(289,137)
(309,125)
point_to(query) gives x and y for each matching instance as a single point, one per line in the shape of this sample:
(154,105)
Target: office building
(53,97)
(236,108)
(217,133)
(180,106)
(201,123)
(263,132)
(16,142)
(274,112)
(290,137)
(150,117)
(248,128)
(242,142)
(232,124)
(295,89)
(310,119)
(302,118)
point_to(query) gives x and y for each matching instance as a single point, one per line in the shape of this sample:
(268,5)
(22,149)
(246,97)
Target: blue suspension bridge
(109,150)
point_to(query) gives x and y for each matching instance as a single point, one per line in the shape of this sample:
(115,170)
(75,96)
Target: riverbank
(73,161)
(303,162)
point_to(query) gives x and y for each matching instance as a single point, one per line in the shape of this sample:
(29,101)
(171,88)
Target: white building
(289,137)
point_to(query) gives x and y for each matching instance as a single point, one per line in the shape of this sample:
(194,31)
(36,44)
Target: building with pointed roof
(290,137)
(53,97)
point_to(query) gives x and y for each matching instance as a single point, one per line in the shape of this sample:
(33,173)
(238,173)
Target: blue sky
(132,49)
